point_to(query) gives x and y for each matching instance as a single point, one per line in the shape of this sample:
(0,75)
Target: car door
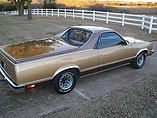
(113,49)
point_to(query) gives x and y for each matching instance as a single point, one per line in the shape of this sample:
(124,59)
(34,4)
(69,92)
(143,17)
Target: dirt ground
(122,92)
(138,100)
(15,29)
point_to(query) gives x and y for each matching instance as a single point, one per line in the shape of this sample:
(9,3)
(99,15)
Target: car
(75,52)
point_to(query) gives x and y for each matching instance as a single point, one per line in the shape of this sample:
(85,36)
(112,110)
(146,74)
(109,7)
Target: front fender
(142,50)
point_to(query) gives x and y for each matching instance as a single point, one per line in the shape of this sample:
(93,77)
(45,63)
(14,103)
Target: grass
(87,3)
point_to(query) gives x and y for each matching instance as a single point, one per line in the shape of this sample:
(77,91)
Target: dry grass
(15,29)
(87,3)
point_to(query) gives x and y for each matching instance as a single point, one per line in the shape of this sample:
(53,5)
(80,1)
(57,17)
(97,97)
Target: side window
(110,39)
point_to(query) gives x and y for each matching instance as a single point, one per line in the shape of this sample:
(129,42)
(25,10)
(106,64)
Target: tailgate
(8,67)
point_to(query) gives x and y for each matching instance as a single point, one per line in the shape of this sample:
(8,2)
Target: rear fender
(66,68)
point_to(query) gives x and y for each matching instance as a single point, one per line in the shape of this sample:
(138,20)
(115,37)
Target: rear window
(77,37)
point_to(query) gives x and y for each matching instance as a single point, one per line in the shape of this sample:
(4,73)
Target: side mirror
(127,41)
(124,43)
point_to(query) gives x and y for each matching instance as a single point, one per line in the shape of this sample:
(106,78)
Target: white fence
(143,21)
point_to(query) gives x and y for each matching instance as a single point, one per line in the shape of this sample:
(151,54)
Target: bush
(1,7)
(98,7)
(9,7)
(49,5)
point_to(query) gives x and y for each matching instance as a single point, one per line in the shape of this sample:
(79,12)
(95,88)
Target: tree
(29,16)
(19,5)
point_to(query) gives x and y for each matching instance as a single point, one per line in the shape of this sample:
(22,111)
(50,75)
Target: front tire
(139,61)
(65,81)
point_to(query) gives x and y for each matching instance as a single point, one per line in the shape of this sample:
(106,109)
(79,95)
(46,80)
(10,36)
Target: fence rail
(142,21)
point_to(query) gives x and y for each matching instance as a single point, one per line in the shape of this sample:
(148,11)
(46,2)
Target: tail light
(31,86)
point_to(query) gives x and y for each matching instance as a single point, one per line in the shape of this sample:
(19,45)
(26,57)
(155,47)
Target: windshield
(77,37)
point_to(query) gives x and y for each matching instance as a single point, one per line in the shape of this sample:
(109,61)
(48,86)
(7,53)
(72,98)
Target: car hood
(37,48)
(132,40)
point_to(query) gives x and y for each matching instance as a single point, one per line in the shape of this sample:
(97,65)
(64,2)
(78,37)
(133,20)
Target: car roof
(94,28)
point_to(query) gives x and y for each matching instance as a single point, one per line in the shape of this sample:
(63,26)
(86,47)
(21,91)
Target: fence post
(107,17)
(17,12)
(82,14)
(24,12)
(52,12)
(34,11)
(58,12)
(151,24)
(37,11)
(65,13)
(93,15)
(143,20)
(123,19)
(42,12)
(73,13)
(46,12)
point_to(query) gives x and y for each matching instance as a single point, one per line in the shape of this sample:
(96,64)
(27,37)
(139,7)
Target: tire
(139,61)
(65,81)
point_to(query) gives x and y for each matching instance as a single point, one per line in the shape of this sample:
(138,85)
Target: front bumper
(16,88)
(151,52)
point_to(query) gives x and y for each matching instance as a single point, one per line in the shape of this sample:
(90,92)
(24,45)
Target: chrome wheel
(140,59)
(66,80)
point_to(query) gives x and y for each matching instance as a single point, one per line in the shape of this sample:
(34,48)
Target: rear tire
(139,61)
(65,81)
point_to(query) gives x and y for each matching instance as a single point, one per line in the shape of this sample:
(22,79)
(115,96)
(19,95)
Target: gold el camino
(75,52)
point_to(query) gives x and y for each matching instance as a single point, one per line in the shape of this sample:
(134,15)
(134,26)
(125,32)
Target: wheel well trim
(142,50)
(66,68)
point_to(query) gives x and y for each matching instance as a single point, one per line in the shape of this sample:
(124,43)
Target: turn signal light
(31,86)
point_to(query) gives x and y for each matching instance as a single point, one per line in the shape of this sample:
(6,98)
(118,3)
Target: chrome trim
(150,52)
(3,63)
(104,70)
(14,87)
(145,49)
(107,64)
(65,68)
